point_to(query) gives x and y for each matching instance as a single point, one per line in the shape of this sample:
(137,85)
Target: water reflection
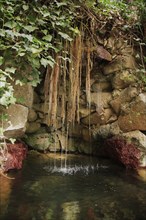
(80,188)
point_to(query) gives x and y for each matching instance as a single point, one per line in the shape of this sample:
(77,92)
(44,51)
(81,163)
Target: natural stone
(32,127)
(123,79)
(129,148)
(17,118)
(103,53)
(85,112)
(110,43)
(103,86)
(124,97)
(15,155)
(123,152)
(75,131)
(100,99)
(120,64)
(36,98)
(41,107)
(66,144)
(136,137)
(106,131)
(43,142)
(98,117)
(32,115)
(136,118)
(24,94)
(86,134)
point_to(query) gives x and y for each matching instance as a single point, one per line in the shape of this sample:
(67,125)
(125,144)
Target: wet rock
(85,112)
(43,142)
(100,99)
(100,117)
(15,127)
(75,131)
(67,144)
(86,135)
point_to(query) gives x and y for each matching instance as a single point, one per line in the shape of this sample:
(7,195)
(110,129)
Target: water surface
(52,187)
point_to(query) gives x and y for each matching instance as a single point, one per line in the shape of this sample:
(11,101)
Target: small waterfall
(99,104)
(66,167)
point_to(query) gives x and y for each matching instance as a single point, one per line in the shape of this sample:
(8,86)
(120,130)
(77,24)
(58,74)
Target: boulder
(86,134)
(103,86)
(128,148)
(83,112)
(98,117)
(136,117)
(124,97)
(32,115)
(43,142)
(67,144)
(120,64)
(123,80)
(15,155)
(75,131)
(106,131)
(100,99)
(17,118)
(24,94)
(123,152)
(32,127)
(103,53)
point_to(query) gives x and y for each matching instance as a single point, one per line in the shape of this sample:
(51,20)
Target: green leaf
(21,54)
(25,7)
(10,24)
(47,38)
(46,14)
(45,62)
(1,60)
(59,4)
(30,28)
(35,50)
(65,36)
(10,70)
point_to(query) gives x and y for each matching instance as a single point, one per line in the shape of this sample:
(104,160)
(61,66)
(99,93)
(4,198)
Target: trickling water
(85,189)
(99,106)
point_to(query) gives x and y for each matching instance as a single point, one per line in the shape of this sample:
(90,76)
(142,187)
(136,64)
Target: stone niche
(117,109)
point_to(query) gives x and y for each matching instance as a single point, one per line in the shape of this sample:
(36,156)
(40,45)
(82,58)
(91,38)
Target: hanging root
(74,74)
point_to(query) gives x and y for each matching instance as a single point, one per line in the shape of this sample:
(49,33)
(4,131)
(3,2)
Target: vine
(32,32)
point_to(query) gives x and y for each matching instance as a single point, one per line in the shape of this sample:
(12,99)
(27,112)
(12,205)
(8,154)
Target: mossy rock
(43,142)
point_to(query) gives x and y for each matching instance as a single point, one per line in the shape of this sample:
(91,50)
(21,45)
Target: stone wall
(116,107)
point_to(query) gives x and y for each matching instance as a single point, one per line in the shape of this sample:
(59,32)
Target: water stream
(67,187)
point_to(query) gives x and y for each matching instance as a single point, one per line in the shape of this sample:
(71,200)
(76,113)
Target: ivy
(30,33)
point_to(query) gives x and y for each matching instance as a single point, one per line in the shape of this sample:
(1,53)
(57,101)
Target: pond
(68,187)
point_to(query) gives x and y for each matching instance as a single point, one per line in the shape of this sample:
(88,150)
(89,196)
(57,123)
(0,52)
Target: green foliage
(30,33)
